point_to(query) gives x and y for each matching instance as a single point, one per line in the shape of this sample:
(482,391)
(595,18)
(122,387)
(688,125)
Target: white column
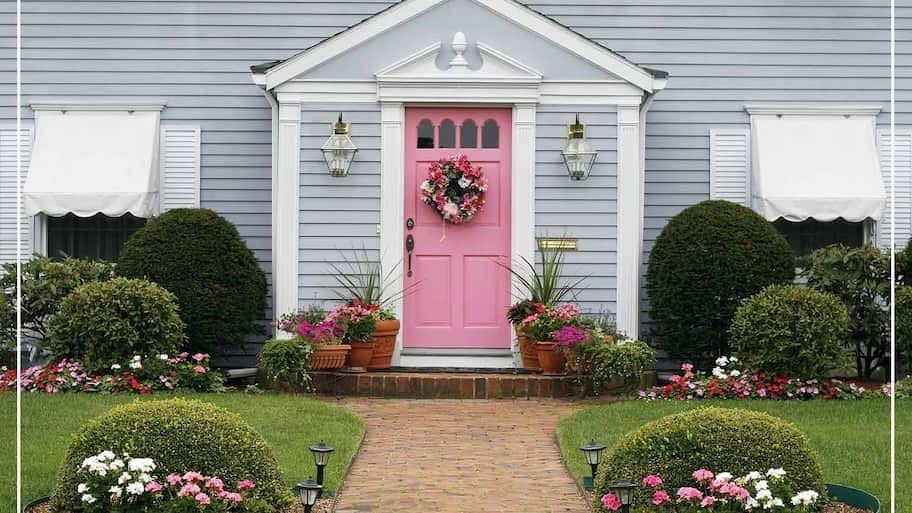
(630,192)
(392,200)
(286,213)
(522,209)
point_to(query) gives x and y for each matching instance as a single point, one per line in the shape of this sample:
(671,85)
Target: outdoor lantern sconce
(321,453)
(339,151)
(578,155)
(624,491)
(307,493)
(593,452)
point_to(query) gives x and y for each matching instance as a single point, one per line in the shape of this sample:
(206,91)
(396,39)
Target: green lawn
(290,424)
(851,438)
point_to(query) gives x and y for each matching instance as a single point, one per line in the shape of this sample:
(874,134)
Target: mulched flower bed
(322,506)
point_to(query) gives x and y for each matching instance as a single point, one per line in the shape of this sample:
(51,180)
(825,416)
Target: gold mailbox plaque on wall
(562,244)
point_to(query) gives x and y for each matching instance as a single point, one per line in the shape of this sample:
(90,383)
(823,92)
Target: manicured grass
(290,424)
(851,438)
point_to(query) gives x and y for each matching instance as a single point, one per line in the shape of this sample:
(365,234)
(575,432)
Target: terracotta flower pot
(384,344)
(360,356)
(329,357)
(552,361)
(527,350)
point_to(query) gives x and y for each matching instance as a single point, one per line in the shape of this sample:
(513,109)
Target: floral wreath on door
(455,188)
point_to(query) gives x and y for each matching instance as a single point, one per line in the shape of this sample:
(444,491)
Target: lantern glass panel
(339,151)
(579,158)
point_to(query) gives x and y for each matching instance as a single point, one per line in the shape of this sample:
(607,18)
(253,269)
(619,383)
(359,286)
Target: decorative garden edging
(853,497)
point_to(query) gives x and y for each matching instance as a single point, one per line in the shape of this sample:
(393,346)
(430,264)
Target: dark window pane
(98,237)
(468,134)
(425,134)
(490,134)
(807,236)
(447,134)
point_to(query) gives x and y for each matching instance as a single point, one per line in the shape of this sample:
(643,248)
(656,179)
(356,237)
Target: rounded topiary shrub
(791,331)
(179,435)
(108,322)
(717,439)
(708,259)
(904,325)
(200,257)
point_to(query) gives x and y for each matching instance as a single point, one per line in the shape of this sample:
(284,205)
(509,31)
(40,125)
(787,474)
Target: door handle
(410,246)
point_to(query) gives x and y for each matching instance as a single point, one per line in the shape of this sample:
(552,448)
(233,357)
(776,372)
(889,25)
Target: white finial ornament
(459,46)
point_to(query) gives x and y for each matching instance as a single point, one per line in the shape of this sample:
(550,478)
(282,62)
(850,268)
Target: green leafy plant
(791,331)
(178,434)
(547,286)
(707,260)
(45,283)
(736,440)
(860,278)
(109,322)
(904,325)
(285,363)
(363,279)
(201,258)
(603,362)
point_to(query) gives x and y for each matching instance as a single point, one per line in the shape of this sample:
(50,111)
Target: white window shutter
(902,194)
(729,165)
(9,207)
(179,165)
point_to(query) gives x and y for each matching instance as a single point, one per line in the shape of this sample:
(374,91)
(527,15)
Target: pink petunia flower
(652,481)
(688,493)
(611,502)
(703,475)
(660,497)
(203,499)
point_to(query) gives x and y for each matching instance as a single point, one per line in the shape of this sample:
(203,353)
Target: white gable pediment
(423,66)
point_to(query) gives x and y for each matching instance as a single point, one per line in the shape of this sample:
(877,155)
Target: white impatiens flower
(162,356)
(764,495)
(115,366)
(724,476)
(136,488)
(805,498)
(135,365)
(107,455)
(735,373)
(88,499)
(775,473)
(753,476)
(116,464)
(751,503)
(721,361)
(733,359)
(82,488)
(777,502)
(762,485)
(719,373)
(124,478)
(115,491)
(142,465)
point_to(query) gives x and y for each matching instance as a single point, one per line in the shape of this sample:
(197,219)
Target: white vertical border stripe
(392,199)
(286,213)
(630,178)
(522,200)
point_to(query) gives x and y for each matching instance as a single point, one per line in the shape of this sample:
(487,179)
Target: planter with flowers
(544,327)
(358,322)
(319,336)
(517,314)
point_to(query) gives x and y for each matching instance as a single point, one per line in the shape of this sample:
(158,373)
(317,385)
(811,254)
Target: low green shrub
(904,325)
(201,258)
(707,260)
(45,283)
(718,439)
(180,435)
(608,362)
(792,331)
(860,278)
(284,363)
(109,322)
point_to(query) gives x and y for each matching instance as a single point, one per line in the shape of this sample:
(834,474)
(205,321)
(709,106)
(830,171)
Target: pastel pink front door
(458,295)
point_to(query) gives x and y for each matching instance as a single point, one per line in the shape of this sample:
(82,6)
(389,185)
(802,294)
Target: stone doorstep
(442,385)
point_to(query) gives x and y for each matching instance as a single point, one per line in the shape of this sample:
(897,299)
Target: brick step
(443,385)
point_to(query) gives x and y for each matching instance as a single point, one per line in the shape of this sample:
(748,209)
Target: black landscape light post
(321,453)
(307,493)
(593,451)
(624,491)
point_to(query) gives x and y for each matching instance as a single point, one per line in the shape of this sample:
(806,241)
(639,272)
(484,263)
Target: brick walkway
(452,456)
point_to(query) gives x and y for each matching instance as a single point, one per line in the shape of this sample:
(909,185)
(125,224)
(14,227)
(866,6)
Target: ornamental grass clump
(179,435)
(739,441)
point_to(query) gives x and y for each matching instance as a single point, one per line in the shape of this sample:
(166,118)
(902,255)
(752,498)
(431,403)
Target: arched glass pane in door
(447,134)
(425,134)
(490,134)
(468,134)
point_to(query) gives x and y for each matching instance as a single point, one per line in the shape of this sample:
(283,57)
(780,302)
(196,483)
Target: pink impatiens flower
(203,499)
(611,502)
(687,493)
(189,490)
(199,369)
(199,357)
(708,502)
(660,497)
(703,475)
(245,485)
(652,481)
(153,487)
(173,479)
(193,476)
(215,484)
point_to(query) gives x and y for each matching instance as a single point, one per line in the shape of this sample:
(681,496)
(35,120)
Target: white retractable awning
(820,167)
(90,162)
